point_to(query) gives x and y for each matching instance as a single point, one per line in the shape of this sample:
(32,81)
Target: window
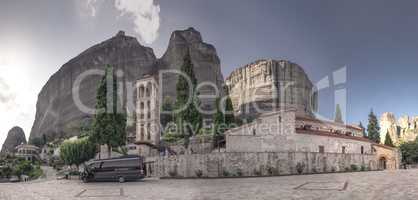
(362,150)
(321,149)
(148,131)
(343,150)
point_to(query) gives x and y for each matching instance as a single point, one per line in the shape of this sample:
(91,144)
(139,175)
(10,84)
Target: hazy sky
(375,39)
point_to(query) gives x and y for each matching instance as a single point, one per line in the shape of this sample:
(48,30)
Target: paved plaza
(401,184)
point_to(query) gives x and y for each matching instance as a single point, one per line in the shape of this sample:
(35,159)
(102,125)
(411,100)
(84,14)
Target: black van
(115,169)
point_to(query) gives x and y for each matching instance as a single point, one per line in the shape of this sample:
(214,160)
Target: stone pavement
(399,185)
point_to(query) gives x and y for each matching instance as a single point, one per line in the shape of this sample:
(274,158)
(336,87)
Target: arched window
(142,132)
(148,90)
(141,91)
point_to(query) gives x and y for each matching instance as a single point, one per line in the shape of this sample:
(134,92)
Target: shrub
(300,167)
(347,169)
(257,172)
(239,172)
(354,167)
(226,173)
(23,167)
(314,170)
(173,173)
(198,173)
(333,169)
(272,171)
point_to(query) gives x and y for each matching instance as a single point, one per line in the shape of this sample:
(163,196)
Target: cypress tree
(364,130)
(373,128)
(388,140)
(229,113)
(189,120)
(219,120)
(109,125)
(338,115)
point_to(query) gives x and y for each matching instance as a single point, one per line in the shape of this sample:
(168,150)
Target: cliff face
(204,58)
(14,137)
(269,85)
(403,130)
(56,112)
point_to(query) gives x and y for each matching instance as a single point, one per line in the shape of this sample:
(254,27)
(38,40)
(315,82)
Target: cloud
(146,17)
(6,95)
(91,7)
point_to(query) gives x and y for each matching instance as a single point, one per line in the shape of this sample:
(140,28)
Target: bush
(226,173)
(314,170)
(354,167)
(78,151)
(22,167)
(300,167)
(333,169)
(199,173)
(257,172)
(173,173)
(347,169)
(363,168)
(239,172)
(36,173)
(272,171)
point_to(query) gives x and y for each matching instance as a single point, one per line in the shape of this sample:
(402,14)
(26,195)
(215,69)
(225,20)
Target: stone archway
(382,163)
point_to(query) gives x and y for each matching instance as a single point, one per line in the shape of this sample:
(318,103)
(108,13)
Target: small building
(27,151)
(287,132)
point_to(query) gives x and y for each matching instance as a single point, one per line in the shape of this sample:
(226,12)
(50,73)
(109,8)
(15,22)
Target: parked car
(120,169)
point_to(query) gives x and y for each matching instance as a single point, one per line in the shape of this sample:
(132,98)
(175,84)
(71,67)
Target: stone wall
(255,164)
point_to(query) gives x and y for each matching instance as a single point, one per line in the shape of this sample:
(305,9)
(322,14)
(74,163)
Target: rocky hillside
(56,112)
(402,130)
(15,136)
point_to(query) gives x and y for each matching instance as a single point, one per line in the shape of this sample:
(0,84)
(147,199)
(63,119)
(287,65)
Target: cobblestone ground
(402,184)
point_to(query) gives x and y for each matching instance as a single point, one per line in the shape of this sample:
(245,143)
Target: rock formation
(56,112)
(270,84)
(204,58)
(15,137)
(403,130)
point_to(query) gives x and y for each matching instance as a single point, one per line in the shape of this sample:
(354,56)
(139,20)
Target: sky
(374,41)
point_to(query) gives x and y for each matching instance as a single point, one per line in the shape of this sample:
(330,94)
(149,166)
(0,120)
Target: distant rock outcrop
(403,130)
(58,116)
(15,137)
(204,58)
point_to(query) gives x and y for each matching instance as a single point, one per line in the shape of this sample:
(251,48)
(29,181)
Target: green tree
(388,140)
(409,152)
(229,111)
(189,120)
(109,123)
(373,128)
(167,107)
(77,152)
(219,121)
(338,115)
(22,167)
(364,130)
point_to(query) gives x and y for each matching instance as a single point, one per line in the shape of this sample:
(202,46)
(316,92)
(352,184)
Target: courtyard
(400,184)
